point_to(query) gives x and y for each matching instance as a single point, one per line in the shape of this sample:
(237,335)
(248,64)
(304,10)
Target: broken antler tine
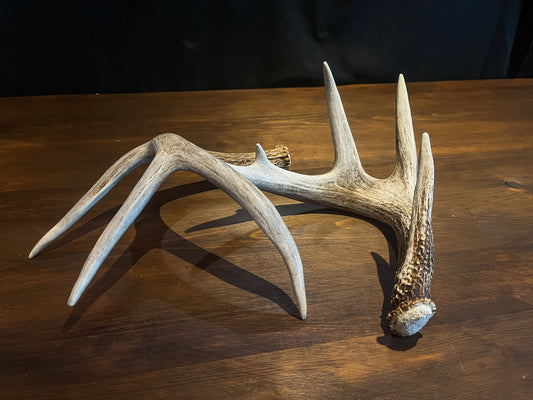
(152,178)
(116,172)
(411,301)
(346,156)
(406,162)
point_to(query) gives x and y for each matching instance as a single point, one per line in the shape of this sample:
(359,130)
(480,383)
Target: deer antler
(403,201)
(170,153)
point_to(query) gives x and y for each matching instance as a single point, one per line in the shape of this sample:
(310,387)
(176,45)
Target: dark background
(58,47)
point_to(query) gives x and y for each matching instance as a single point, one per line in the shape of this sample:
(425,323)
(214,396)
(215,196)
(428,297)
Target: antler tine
(124,165)
(157,172)
(406,162)
(347,167)
(173,153)
(346,157)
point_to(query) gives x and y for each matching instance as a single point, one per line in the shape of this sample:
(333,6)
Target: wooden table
(195,303)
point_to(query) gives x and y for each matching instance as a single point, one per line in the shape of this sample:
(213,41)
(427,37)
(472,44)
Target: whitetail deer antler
(170,153)
(403,201)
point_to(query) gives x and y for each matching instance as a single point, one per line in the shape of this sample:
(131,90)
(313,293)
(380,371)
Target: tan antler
(169,153)
(403,201)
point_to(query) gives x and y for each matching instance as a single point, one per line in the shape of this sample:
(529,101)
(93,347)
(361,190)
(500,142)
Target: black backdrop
(51,47)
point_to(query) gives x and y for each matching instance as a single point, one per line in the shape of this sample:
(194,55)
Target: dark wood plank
(194,301)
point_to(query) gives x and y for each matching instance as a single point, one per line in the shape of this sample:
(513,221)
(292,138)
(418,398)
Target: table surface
(195,303)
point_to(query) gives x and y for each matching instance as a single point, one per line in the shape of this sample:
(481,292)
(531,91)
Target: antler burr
(403,201)
(169,153)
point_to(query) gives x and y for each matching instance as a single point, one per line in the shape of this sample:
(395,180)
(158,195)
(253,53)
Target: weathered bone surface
(403,201)
(169,153)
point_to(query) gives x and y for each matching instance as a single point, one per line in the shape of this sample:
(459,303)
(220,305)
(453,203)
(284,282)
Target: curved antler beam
(403,201)
(170,153)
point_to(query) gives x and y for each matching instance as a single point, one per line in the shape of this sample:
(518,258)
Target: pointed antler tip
(328,76)
(301,304)
(260,152)
(36,249)
(425,139)
(41,244)
(426,143)
(73,298)
(401,79)
(326,70)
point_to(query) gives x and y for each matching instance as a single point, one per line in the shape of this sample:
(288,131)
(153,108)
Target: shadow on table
(151,230)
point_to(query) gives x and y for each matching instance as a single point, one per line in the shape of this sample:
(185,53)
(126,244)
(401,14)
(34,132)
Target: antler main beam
(403,201)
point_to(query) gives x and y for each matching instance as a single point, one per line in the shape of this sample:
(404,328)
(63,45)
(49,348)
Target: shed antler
(402,201)
(170,153)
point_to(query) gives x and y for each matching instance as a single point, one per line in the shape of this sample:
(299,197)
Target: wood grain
(191,303)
